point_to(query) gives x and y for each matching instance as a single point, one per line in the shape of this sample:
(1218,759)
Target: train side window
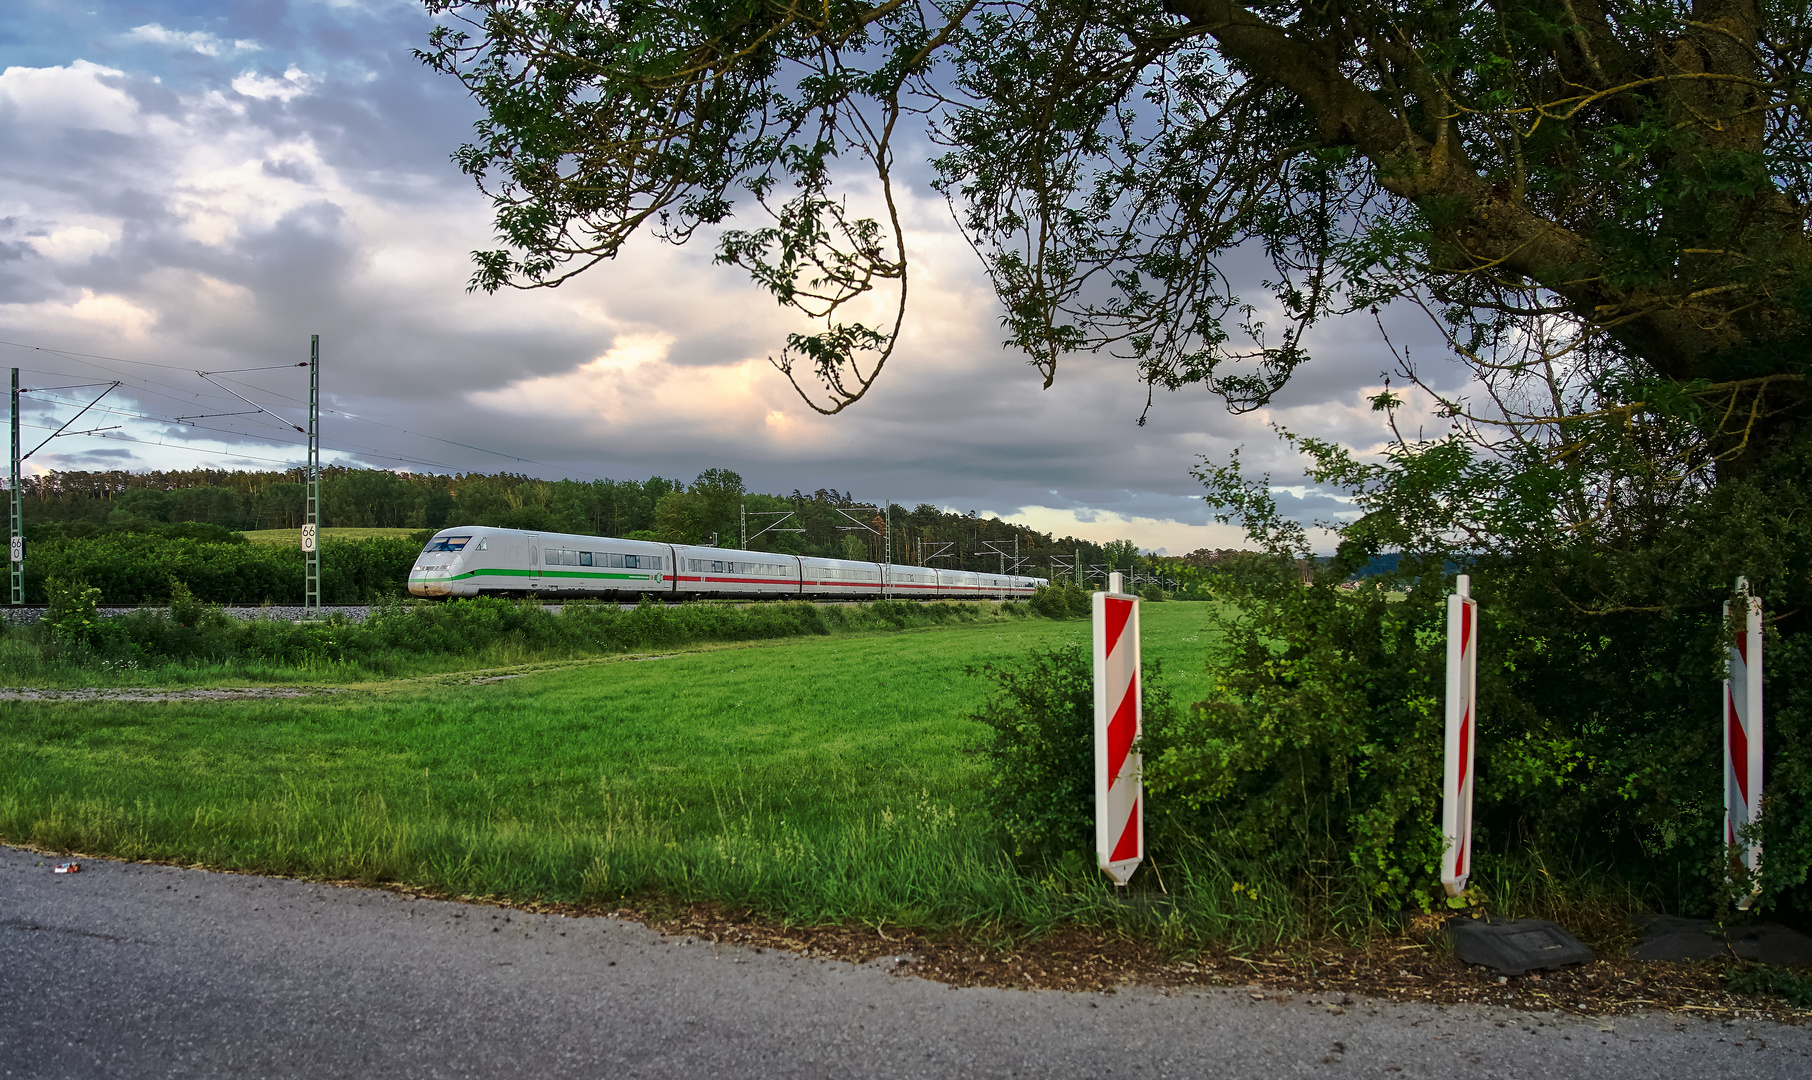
(651,562)
(481,546)
(584,558)
(631,561)
(616,559)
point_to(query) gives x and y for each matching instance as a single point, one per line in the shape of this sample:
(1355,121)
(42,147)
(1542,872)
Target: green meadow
(825,778)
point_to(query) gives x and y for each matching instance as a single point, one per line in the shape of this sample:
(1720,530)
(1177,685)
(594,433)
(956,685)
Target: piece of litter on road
(68,868)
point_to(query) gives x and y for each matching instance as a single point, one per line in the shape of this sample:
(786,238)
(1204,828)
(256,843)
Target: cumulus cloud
(82,96)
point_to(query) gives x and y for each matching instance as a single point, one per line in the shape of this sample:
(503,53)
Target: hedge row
(192,630)
(138,568)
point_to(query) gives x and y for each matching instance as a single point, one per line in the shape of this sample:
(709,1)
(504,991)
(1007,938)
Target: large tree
(1616,193)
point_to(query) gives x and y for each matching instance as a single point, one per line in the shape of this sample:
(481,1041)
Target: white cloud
(194,40)
(294,83)
(115,314)
(81,96)
(77,243)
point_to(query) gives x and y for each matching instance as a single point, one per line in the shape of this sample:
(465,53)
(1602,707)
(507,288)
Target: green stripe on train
(544,573)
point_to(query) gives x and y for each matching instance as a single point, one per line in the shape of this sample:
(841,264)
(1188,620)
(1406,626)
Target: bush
(1061,600)
(1040,786)
(1319,753)
(72,620)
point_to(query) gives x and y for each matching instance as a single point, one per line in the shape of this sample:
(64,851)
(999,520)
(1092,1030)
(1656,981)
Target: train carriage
(709,571)
(839,579)
(911,582)
(958,585)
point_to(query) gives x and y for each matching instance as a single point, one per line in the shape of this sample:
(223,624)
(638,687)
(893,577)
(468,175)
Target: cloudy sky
(200,186)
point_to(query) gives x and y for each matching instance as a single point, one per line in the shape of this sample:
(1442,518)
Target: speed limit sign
(308,537)
(18,549)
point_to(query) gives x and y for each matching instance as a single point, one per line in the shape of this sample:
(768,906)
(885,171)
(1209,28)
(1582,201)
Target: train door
(534,561)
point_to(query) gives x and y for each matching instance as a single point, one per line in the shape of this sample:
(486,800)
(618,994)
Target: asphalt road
(145,971)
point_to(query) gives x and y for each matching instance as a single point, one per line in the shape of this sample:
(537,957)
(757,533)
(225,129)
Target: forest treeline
(62,506)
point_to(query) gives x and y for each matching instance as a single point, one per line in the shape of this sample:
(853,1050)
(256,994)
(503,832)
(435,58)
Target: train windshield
(448,543)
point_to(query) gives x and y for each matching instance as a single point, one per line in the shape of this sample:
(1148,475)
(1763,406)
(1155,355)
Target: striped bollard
(1462,693)
(1119,824)
(1742,723)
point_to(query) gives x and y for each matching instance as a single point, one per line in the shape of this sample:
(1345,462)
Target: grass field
(294,536)
(819,779)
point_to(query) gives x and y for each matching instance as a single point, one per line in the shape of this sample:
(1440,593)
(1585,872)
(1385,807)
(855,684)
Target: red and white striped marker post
(1742,723)
(1119,822)
(1462,694)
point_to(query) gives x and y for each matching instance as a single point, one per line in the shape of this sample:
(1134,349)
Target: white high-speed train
(509,562)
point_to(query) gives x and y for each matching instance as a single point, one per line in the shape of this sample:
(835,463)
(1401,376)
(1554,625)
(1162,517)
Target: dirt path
(127,693)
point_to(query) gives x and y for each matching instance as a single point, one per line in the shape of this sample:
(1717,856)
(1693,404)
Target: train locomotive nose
(431,579)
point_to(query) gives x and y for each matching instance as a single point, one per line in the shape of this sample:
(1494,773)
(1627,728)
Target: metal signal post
(783,515)
(993,547)
(311,522)
(16,537)
(16,533)
(941,550)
